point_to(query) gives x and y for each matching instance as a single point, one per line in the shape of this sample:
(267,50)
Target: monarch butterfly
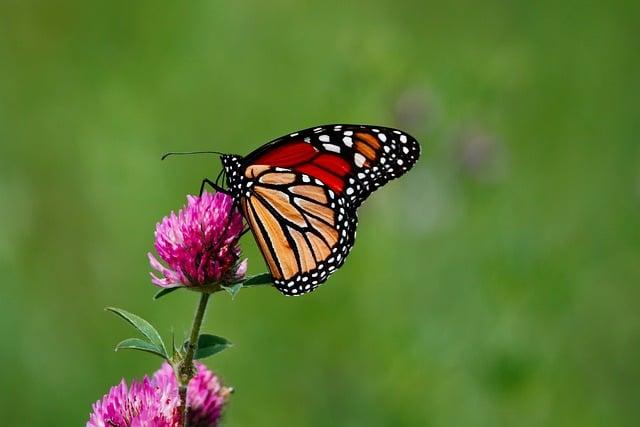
(299,195)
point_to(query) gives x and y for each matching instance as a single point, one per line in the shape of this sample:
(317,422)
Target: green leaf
(142,345)
(259,279)
(208,345)
(173,343)
(165,291)
(233,289)
(143,326)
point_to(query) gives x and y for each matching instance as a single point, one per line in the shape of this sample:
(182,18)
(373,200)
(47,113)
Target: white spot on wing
(331,147)
(324,138)
(359,159)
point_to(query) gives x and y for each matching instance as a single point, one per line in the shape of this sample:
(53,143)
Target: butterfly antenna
(185,153)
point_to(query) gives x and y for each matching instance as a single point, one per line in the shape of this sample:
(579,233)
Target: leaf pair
(257,280)
(208,344)
(154,345)
(233,289)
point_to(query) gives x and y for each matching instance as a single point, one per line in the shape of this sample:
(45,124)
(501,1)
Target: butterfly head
(232,166)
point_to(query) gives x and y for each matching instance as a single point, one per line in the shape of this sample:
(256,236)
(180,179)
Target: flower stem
(186,370)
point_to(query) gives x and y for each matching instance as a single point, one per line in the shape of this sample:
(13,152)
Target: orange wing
(304,230)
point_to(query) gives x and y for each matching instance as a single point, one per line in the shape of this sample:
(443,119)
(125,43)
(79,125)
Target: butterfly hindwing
(304,230)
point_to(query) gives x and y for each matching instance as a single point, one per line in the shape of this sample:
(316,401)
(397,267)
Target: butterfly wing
(300,194)
(304,229)
(353,160)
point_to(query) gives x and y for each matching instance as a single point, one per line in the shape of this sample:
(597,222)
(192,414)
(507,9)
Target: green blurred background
(496,284)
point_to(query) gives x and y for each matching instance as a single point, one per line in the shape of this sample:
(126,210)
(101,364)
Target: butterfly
(300,193)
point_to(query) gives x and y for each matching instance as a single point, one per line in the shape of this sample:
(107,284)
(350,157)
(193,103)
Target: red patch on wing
(336,164)
(334,182)
(305,158)
(287,155)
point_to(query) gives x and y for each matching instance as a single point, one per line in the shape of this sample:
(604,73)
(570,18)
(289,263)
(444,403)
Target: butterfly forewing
(350,159)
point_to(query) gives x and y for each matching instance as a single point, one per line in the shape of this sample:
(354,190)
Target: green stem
(186,370)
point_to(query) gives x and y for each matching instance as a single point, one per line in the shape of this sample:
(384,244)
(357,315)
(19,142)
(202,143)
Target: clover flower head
(200,244)
(205,395)
(154,402)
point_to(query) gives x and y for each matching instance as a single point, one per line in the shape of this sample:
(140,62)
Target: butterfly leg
(228,218)
(235,206)
(244,232)
(213,185)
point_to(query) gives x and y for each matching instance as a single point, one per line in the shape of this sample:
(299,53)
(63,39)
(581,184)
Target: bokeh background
(495,284)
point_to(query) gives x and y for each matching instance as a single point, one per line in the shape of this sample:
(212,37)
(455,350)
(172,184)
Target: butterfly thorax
(236,181)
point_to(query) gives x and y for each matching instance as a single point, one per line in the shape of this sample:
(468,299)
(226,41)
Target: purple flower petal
(199,245)
(154,401)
